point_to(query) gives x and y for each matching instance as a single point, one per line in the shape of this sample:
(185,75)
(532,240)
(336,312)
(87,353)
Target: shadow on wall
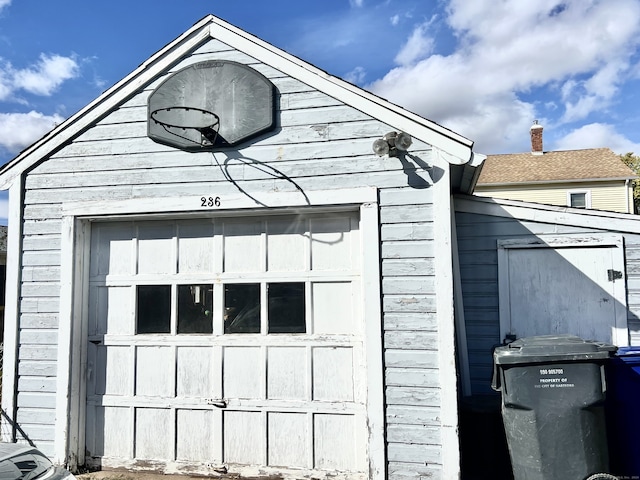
(11,431)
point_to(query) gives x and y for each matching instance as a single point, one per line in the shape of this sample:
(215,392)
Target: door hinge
(613,275)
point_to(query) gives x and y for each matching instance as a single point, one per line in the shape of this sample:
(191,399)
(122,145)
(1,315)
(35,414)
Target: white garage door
(232,344)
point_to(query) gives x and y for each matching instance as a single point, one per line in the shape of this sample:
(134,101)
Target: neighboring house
(594,178)
(210,271)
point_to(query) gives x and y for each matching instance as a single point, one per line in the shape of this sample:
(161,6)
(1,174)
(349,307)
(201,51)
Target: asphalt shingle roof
(587,164)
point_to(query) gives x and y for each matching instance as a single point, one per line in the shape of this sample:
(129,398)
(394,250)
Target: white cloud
(395,20)
(577,51)
(597,135)
(4,3)
(418,46)
(41,78)
(356,3)
(356,76)
(594,93)
(47,75)
(18,130)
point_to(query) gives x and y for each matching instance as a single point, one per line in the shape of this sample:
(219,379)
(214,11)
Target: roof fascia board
(575,217)
(547,182)
(459,147)
(102,105)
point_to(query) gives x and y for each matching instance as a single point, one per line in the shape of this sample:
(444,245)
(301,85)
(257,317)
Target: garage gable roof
(455,148)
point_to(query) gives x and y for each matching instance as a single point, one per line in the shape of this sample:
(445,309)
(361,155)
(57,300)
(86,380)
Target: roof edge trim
(547,182)
(580,217)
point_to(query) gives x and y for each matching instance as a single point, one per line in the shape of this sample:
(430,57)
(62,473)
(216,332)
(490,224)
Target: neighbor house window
(579,199)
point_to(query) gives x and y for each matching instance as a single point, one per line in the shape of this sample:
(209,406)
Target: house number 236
(209,201)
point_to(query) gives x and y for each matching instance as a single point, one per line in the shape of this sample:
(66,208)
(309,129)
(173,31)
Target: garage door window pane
(195,307)
(286,308)
(153,308)
(242,308)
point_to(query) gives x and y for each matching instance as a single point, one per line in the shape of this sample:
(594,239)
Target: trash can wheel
(602,476)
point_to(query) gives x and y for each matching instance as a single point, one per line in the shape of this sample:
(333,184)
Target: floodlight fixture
(392,143)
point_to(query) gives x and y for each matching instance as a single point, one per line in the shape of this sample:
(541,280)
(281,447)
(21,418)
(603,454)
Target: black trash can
(483,446)
(553,396)
(623,412)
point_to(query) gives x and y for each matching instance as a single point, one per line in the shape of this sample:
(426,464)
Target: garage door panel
(155,371)
(112,311)
(155,248)
(113,248)
(114,370)
(333,308)
(335,442)
(194,444)
(244,371)
(242,246)
(289,440)
(332,243)
(154,438)
(113,425)
(287,244)
(244,438)
(194,372)
(195,248)
(287,377)
(333,374)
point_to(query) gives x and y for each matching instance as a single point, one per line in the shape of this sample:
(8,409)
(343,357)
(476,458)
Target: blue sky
(483,68)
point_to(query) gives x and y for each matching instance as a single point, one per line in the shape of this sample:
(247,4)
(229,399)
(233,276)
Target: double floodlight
(392,143)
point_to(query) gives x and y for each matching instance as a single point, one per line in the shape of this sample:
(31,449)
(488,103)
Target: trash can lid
(628,351)
(551,348)
(627,355)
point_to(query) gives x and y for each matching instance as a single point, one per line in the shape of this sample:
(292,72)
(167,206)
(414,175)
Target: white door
(563,285)
(228,345)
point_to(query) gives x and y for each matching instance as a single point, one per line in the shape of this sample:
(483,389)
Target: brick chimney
(536,138)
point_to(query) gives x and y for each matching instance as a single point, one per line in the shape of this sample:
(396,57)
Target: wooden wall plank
(419,285)
(412,415)
(415,358)
(412,377)
(411,321)
(38,321)
(37,368)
